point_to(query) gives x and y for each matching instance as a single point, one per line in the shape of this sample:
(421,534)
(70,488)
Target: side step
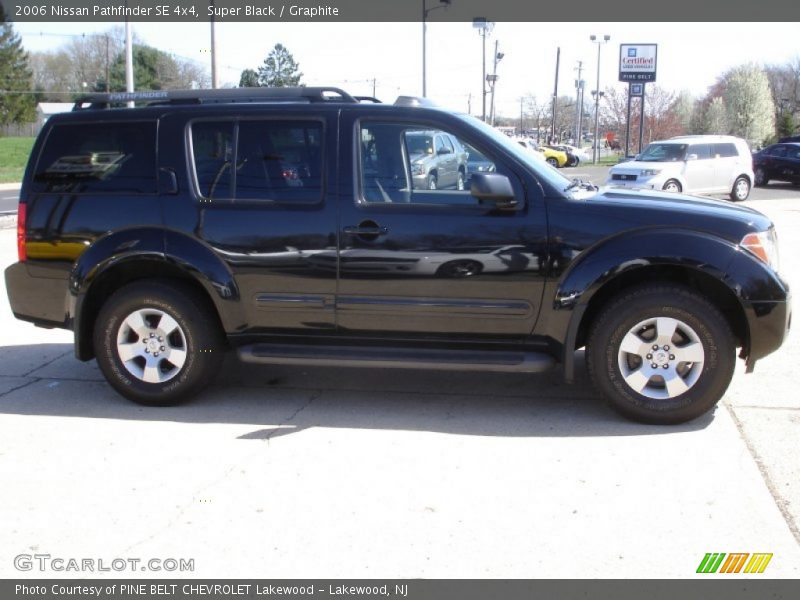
(398,358)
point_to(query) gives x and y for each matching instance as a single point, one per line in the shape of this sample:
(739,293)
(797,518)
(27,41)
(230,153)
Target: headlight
(764,245)
(650,172)
(417,169)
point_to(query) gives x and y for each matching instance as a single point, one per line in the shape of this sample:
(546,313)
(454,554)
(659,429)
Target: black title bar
(397,10)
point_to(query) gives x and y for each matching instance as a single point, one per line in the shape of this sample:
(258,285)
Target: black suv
(285,224)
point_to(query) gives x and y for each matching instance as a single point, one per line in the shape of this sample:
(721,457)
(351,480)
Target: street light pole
(595,148)
(425,11)
(484,27)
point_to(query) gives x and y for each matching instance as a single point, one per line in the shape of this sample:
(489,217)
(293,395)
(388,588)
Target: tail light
(22,252)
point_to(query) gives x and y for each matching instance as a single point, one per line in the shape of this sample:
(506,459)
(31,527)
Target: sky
(350,55)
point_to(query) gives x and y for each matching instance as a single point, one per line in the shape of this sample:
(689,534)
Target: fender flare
(630,251)
(151,244)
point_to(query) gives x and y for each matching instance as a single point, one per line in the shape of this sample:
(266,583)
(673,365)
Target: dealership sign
(637,62)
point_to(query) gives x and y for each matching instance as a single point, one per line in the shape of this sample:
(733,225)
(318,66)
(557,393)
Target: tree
(249,78)
(15,76)
(716,117)
(279,69)
(749,104)
(154,69)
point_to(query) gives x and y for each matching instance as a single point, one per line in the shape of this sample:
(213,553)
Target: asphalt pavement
(314,472)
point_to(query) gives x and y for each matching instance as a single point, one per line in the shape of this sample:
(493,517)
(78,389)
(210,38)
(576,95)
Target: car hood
(637,165)
(652,208)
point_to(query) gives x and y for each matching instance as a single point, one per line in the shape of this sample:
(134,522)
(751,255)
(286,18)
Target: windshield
(419,143)
(542,169)
(663,153)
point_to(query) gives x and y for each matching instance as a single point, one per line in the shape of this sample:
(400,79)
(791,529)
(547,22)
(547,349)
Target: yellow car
(556,158)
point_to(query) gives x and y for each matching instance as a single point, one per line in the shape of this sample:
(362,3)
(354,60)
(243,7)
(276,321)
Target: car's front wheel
(552,162)
(741,189)
(661,354)
(156,344)
(673,186)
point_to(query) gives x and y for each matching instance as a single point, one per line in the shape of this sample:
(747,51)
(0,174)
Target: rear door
(434,264)
(262,187)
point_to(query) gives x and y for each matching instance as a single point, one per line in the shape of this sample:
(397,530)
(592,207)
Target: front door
(432,263)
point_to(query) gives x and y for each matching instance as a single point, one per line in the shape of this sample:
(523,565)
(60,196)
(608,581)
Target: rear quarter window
(94,158)
(724,150)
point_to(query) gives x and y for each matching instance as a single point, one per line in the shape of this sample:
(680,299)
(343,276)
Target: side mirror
(443,151)
(494,189)
(691,157)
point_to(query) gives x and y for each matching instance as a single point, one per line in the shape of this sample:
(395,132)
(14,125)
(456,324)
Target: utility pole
(597,94)
(374,85)
(214,80)
(555,97)
(521,127)
(483,84)
(128,59)
(469,104)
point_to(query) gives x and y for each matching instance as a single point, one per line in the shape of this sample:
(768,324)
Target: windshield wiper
(580,183)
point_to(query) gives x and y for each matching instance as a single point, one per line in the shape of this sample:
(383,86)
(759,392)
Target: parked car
(554,158)
(779,162)
(186,239)
(438,161)
(699,164)
(476,163)
(575,156)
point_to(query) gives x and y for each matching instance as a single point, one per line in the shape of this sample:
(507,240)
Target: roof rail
(224,96)
(368,99)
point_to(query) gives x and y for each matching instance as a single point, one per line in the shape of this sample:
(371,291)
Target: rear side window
(279,161)
(724,150)
(107,158)
(778,151)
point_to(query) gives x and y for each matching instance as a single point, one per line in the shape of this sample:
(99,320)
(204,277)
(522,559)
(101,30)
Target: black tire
(673,185)
(761,179)
(741,189)
(198,334)
(459,269)
(460,185)
(637,305)
(553,162)
(432,182)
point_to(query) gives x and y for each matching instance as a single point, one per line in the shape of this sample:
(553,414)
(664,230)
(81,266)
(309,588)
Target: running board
(398,358)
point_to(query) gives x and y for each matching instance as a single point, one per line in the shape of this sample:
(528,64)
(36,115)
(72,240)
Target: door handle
(372,230)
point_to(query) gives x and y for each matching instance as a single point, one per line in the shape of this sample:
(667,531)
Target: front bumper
(640,183)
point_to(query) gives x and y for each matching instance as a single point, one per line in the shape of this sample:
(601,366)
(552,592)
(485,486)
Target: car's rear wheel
(673,185)
(661,354)
(761,178)
(156,344)
(741,189)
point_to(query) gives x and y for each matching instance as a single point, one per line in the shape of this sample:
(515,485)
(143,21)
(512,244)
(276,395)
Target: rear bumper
(40,300)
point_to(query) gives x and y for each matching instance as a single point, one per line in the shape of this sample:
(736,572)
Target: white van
(693,164)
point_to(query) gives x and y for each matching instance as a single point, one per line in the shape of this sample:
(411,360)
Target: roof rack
(225,96)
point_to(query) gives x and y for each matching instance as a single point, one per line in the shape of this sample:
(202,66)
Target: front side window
(279,161)
(663,153)
(108,158)
(401,162)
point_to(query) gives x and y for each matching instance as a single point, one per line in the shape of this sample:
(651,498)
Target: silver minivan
(693,164)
